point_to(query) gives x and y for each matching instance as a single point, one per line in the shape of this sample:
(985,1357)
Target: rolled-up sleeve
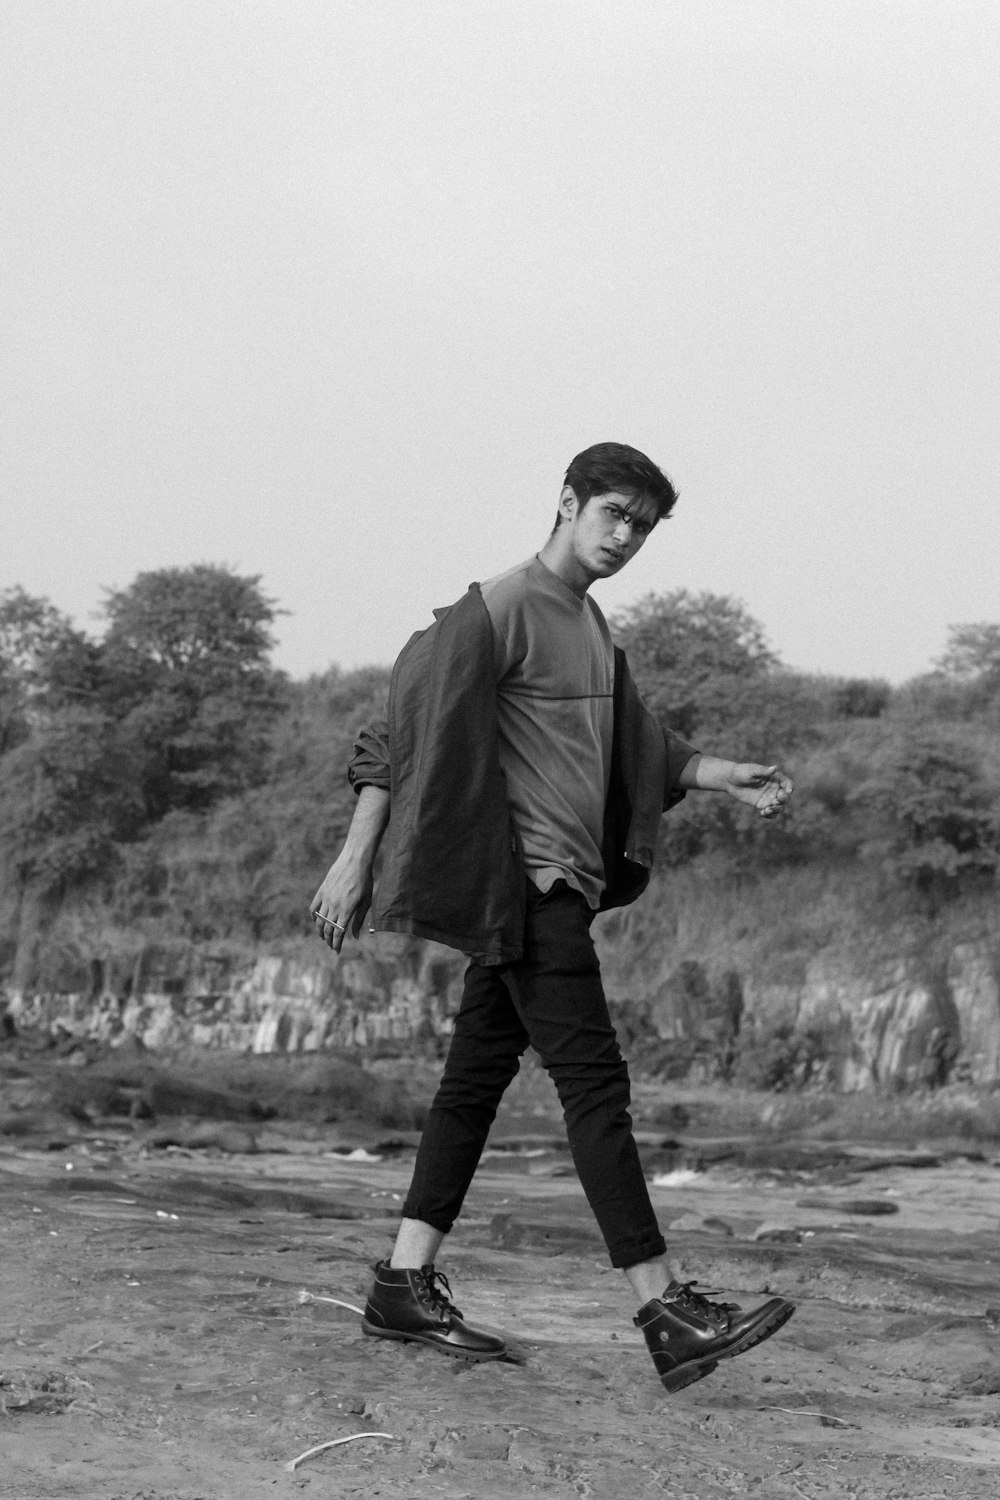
(369,765)
(679,752)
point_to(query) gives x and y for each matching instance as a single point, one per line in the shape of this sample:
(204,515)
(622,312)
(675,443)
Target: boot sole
(454,1350)
(687,1374)
(684,1375)
(763,1331)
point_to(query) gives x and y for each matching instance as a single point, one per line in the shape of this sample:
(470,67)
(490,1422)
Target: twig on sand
(305,1296)
(293,1463)
(796,1411)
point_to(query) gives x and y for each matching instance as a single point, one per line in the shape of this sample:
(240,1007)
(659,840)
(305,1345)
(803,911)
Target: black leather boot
(687,1334)
(417,1305)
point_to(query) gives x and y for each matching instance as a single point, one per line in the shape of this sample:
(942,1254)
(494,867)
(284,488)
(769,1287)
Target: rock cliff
(896,1025)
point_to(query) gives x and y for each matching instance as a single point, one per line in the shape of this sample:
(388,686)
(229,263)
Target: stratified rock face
(895,1025)
(366,1000)
(392,992)
(972,981)
(878,1028)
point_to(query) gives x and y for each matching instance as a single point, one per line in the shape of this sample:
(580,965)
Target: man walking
(518,782)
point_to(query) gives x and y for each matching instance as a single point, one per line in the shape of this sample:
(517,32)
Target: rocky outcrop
(393,993)
(974,986)
(897,1025)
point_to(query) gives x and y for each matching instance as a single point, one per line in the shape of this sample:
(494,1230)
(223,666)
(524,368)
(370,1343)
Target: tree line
(161,781)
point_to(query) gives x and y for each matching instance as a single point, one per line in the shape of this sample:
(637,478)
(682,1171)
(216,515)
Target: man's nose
(623,533)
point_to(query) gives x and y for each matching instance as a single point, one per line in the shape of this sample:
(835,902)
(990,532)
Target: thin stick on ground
(305,1296)
(797,1411)
(293,1463)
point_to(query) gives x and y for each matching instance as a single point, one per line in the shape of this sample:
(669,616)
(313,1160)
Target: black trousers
(552,999)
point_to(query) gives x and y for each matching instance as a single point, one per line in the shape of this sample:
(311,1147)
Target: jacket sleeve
(679,752)
(369,765)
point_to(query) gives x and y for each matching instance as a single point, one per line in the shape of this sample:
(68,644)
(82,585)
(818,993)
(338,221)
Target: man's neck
(557,558)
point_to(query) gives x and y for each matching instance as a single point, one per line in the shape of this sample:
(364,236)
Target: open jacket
(452,867)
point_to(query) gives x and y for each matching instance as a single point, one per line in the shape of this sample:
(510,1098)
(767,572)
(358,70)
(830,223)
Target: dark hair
(616,466)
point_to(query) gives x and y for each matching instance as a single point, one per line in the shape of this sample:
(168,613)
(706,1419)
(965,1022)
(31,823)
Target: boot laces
(439,1291)
(698,1302)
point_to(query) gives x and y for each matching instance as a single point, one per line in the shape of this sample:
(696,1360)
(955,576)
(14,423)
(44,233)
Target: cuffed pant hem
(636,1251)
(436,1221)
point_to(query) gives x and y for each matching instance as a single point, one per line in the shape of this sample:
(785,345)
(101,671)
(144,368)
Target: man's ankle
(417,1245)
(649,1277)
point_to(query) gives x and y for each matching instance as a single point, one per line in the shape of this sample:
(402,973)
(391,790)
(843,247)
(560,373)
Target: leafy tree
(972,651)
(64,790)
(704,668)
(173,709)
(44,663)
(934,811)
(247,867)
(859,697)
(969,671)
(767,716)
(689,654)
(311,803)
(186,675)
(67,796)
(935,698)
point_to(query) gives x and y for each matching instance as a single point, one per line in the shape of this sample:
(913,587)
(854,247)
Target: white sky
(332,291)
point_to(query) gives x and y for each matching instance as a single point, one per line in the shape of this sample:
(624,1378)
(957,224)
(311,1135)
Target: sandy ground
(155,1345)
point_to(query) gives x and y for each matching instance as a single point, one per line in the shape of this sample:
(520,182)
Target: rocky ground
(164,1335)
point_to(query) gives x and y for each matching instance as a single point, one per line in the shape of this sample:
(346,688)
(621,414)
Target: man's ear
(568,503)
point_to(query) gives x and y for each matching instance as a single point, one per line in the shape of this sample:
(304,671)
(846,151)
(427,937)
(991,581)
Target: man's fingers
(344,915)
(329,927)
(772,803)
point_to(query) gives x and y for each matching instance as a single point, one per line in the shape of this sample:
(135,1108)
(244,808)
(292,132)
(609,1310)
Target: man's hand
(763,787)
(341,904)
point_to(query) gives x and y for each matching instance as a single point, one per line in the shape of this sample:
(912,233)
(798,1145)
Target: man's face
(608,531)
